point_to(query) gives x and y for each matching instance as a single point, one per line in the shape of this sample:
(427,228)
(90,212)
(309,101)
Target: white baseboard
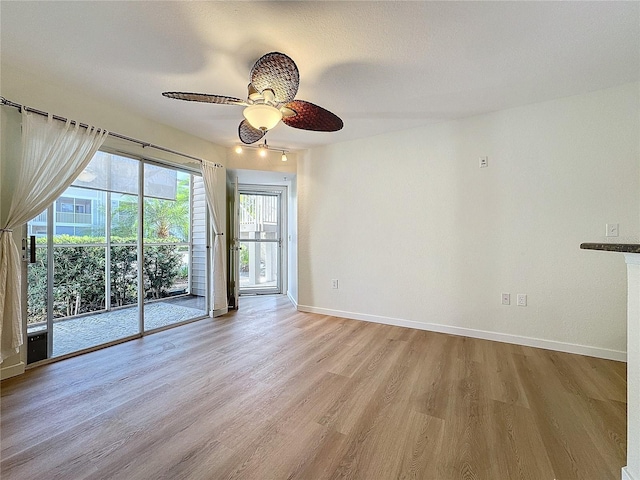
(12,370)
(470,332)
(292,300)
(626,475)
(219,312)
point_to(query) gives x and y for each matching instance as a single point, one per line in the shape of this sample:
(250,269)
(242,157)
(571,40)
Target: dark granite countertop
(612,247)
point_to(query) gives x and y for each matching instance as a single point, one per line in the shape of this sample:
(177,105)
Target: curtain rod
(9,103)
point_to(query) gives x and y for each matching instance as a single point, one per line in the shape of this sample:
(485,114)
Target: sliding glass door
(115,257)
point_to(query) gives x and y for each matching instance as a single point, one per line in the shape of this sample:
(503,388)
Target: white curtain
(219,283)
(53,155)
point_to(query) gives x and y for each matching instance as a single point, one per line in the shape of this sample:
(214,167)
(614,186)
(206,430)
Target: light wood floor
(271,393)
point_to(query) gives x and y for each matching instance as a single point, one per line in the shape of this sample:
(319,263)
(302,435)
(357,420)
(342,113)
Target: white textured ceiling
(380,66)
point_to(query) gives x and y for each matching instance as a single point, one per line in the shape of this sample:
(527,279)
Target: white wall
(23,88)
(417,234)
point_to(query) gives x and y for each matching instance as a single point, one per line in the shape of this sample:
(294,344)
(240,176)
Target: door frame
(281,191)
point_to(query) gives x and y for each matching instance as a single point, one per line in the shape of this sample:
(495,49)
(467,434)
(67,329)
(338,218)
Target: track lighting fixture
(263,150)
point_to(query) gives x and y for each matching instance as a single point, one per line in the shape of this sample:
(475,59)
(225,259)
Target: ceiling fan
(274,81)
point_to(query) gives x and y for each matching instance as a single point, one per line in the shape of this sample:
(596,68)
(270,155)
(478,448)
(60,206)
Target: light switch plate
(613,229)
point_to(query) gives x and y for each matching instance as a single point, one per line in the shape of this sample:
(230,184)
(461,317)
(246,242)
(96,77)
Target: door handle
(32,249)
(29,249)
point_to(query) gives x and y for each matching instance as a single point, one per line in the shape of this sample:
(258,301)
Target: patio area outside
(86,331)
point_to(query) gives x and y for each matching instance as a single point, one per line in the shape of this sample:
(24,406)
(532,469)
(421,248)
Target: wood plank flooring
(271,393)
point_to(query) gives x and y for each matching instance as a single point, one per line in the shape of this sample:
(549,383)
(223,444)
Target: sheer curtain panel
(219,283)
(54,153)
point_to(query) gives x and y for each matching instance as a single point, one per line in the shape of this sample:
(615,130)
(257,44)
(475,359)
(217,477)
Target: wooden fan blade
(205,97)
(248,134)
(312,117)
(276,71)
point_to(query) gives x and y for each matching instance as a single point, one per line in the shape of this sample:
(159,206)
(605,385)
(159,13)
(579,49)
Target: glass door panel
(91,263)
(169,295)
(123,249)
(260,242)
(76,293)
(79,269)
(258,266)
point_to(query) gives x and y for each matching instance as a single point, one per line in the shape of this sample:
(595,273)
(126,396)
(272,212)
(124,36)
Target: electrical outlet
(522,299)
(612,229)
(506,299)
(484,162)
(334,283)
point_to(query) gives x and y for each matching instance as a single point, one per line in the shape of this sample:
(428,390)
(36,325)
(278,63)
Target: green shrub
(78,280)
(124,275)
(37,291)
(161,268)
(79,274)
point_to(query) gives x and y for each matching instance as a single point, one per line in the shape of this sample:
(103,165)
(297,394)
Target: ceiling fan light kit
(273,85)
(261,116)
